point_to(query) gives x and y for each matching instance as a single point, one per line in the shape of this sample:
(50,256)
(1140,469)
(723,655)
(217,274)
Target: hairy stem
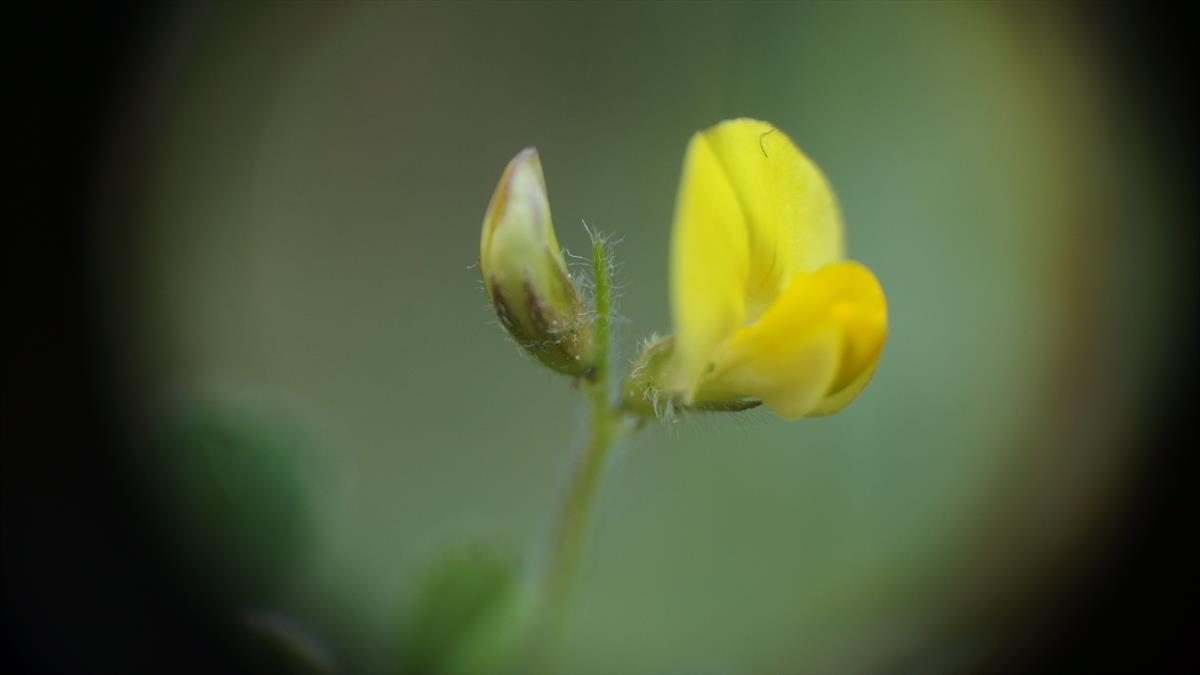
(603,429)
(600,267)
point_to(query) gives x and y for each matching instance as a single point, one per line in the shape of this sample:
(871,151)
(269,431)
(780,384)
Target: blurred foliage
(286,647)
(237,490)
(470,616)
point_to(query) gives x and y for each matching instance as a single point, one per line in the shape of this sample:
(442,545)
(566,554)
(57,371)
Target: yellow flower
(765,308)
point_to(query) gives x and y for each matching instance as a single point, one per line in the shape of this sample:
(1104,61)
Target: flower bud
(525,274)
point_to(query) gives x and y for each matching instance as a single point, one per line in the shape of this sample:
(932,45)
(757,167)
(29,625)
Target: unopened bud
(525,274)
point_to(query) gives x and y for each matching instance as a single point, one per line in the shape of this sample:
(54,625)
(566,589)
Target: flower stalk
(604,428)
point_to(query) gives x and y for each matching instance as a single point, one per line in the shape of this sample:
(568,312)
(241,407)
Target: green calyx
(643,394)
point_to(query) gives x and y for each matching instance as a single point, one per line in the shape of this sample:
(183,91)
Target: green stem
(600,268)
(604,425)
(577,507)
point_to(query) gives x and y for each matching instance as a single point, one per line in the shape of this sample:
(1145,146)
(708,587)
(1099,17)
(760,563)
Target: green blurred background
(313,182)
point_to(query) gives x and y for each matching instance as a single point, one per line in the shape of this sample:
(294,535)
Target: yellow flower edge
(763,303)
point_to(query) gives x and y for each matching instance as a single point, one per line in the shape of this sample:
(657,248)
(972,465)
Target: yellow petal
(710,261)
(864,326)
(790,376)
(752,213)
(792,219)
(812,351)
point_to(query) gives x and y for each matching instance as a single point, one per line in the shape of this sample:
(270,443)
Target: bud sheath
(526,276)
